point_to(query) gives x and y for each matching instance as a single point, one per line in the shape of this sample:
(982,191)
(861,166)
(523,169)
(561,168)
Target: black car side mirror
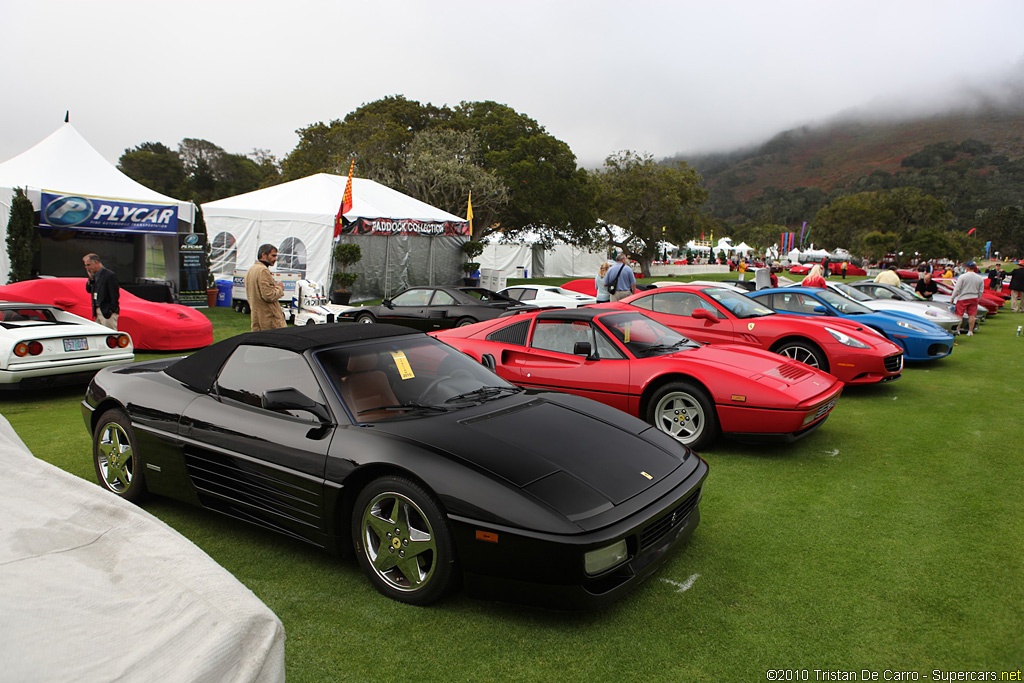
(581,348)
(293,399)
(387,303)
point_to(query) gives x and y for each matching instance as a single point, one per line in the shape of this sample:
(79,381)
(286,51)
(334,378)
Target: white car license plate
(76,344)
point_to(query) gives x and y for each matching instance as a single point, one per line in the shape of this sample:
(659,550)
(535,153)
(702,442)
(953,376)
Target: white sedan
(547,295)
(42,346)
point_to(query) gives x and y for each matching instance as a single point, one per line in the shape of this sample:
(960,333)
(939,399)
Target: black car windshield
(486,296)
(738,304)
(402,377)
(843,304)
(645,337)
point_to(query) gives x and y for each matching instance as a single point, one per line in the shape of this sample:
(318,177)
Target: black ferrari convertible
(390,443)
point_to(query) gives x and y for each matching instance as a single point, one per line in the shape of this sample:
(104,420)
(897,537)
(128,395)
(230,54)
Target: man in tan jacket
(264,292)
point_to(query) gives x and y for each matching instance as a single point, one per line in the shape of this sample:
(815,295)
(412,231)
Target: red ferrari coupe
(628,361)
(152,326)
(852,352)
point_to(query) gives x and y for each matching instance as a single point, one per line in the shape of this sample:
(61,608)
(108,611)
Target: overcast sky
(657,77)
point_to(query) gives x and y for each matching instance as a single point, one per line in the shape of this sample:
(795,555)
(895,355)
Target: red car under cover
(152,326)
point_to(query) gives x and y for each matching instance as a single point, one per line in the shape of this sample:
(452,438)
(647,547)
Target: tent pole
(387,269)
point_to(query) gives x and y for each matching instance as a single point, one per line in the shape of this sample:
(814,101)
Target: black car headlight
(603,559)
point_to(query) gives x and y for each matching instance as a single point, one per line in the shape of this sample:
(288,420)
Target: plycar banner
(404,226)
(81,212)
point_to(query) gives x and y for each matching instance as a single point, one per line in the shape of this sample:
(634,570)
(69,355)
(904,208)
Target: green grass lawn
(890,539)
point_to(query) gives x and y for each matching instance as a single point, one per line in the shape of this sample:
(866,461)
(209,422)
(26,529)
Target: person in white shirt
(966,294)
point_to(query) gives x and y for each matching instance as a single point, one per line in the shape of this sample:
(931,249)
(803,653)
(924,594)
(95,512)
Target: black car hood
(525,441)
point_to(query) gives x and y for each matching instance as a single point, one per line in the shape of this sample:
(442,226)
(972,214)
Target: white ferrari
(42,346)
(547,295)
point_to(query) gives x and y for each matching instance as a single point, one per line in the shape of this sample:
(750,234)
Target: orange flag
(346,201)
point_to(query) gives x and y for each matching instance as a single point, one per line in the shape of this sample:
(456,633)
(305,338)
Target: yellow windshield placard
(402,363)
(625,332)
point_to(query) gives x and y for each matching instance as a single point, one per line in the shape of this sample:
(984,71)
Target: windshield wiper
(411,405)
(483,393)
(668,347)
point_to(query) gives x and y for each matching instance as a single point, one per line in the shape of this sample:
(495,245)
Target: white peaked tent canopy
(305,210)
(66,163)
(743,248)
(525,257)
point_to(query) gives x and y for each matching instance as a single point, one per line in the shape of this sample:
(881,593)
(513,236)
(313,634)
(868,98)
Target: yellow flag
(469,212)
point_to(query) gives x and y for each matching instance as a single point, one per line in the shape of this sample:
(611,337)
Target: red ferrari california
(854,353)
(152,326)
(626,360)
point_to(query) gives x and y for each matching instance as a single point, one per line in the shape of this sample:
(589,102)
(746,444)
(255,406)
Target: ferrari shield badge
(750,326)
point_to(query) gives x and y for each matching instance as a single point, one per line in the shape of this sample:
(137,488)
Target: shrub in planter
(345,255)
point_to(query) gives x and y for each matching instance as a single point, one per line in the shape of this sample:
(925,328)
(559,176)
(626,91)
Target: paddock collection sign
(404,226)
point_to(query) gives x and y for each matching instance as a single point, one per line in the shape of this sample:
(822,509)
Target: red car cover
(152,326)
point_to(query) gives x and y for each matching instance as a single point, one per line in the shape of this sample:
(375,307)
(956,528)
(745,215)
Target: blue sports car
(921,340)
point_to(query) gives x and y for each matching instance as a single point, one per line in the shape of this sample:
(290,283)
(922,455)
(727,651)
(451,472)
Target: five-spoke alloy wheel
(402,541)
(115,457)
(684,412)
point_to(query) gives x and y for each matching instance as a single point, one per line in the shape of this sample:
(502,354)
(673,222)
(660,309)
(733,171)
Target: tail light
(31,348)
(118,341)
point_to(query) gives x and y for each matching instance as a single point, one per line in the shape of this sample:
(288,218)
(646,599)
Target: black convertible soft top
(199,370)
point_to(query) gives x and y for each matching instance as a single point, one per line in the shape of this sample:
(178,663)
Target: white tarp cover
(66,163)
(305,210)
(93,588)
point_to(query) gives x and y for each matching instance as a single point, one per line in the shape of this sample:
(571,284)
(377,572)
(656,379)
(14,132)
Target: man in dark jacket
(1017,287)
(105,291)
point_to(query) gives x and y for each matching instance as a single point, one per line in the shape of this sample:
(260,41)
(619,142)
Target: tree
(649,201)
(22,237)
(375,135)
(903,212)
(398,143)
(1005,228)
(930,244)
(876,244)
(442,167)
(156,166)
(548,194)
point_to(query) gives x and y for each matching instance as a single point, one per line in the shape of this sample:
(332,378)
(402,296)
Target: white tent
(743,248)
(298,218)
(64,163)
(525,257)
